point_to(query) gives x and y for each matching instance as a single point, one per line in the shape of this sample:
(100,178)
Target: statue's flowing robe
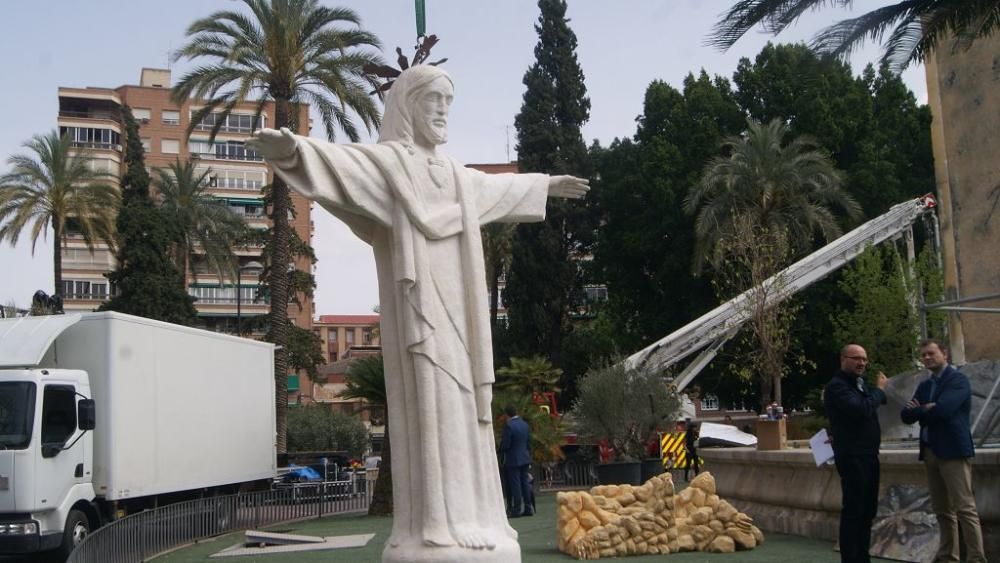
(422,218)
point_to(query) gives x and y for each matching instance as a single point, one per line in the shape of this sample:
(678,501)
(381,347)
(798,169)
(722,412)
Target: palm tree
(917,26)
(529,376)
(54,187)
(758,206)
(291,52)
(199,219)
(365,380)
(788,189)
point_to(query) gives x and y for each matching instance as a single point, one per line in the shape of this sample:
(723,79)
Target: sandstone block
(722,544)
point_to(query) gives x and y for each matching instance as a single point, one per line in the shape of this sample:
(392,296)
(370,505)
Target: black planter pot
(619,473)
(651,467)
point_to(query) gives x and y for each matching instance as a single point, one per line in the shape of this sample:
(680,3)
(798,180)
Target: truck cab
(46,449)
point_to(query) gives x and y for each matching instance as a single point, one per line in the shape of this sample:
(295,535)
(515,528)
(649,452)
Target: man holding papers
(852,408)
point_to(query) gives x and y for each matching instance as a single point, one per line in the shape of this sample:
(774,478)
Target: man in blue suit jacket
(516,460)
(941,405)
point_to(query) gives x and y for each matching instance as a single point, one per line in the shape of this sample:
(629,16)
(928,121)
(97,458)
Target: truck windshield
(17,411)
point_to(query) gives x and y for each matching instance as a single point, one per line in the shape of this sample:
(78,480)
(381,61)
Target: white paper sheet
(821,448)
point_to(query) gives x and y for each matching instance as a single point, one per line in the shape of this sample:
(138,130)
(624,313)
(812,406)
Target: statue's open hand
(569,187)
(272,144)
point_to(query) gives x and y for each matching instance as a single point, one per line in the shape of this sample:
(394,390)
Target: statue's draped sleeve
(344,179)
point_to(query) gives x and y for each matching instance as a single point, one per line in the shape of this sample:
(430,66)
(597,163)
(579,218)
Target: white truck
(105,414)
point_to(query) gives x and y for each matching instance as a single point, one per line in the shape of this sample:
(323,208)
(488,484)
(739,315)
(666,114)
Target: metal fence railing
(141,536)
(565,474)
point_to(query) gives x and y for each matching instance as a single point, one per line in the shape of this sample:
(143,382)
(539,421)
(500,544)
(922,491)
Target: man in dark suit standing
(516,460)
(852,408)
(941,405)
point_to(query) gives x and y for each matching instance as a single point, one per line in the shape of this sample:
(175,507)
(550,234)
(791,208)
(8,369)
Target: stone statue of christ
(421,212)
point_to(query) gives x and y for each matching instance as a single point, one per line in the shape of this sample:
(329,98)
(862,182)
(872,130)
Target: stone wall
(963,87)
(783,491)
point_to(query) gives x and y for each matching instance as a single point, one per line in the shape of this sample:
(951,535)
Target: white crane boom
(715,327)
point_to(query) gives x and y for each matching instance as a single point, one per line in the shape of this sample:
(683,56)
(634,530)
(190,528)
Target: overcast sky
(623,46)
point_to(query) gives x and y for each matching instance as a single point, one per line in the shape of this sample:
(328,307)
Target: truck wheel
(77,528)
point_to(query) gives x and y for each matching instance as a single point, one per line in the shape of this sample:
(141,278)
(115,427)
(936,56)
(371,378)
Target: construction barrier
(673,450)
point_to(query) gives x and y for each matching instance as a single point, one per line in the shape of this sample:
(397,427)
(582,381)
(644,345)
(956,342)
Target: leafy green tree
(916,27)
(305,351)
(54,187)
(894,161)
(877,135)
(545,279)
(199,219)
(148,283)
(789,190)
(645,244)
(931,283)
(757,207)
(291,52)
(624,407)
(319,428)
(872,125)
(365,380)
(881,313)
(750,257)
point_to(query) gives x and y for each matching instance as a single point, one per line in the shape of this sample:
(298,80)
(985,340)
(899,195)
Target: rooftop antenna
(507,146)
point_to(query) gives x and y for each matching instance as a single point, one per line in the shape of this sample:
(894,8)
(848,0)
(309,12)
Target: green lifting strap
(421,17)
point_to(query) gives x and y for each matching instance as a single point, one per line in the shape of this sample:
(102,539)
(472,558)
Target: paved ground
(537,538)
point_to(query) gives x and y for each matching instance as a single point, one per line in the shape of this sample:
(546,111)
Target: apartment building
(343,334)
(91,116)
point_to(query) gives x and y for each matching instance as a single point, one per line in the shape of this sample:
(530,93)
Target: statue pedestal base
(414,551)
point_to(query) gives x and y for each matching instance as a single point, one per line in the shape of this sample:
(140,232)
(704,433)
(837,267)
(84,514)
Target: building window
(92,137)
(81,257)
(170,146)
(232,123)
(235,150)
(250,180)
(74,289)
(366,336)
(147,144)
(596,293)
(103,165)
(170,117)
(249,211)
(142,115)
(349,337)
(224,295)
(709,402)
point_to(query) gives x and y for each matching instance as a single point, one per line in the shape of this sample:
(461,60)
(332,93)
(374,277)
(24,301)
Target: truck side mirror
(86,414)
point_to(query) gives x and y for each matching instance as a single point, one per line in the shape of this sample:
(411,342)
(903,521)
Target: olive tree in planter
(623,407)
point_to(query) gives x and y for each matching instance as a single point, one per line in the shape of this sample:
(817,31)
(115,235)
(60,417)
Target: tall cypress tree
(545,281)
(146,279)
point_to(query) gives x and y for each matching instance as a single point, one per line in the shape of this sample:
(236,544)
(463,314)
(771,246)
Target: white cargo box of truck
(177,408)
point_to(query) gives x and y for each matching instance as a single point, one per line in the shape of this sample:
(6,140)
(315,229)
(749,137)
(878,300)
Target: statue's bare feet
(474,538)
(438,536)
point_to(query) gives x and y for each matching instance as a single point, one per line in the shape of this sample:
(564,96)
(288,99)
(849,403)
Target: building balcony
(245,303)
(100,296)
(97,146)
(101,115)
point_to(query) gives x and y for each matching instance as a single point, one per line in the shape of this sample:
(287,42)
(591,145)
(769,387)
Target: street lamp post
(251,266)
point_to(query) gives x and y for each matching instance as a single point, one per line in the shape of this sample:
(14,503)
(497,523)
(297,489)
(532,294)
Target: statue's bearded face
(430,114)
